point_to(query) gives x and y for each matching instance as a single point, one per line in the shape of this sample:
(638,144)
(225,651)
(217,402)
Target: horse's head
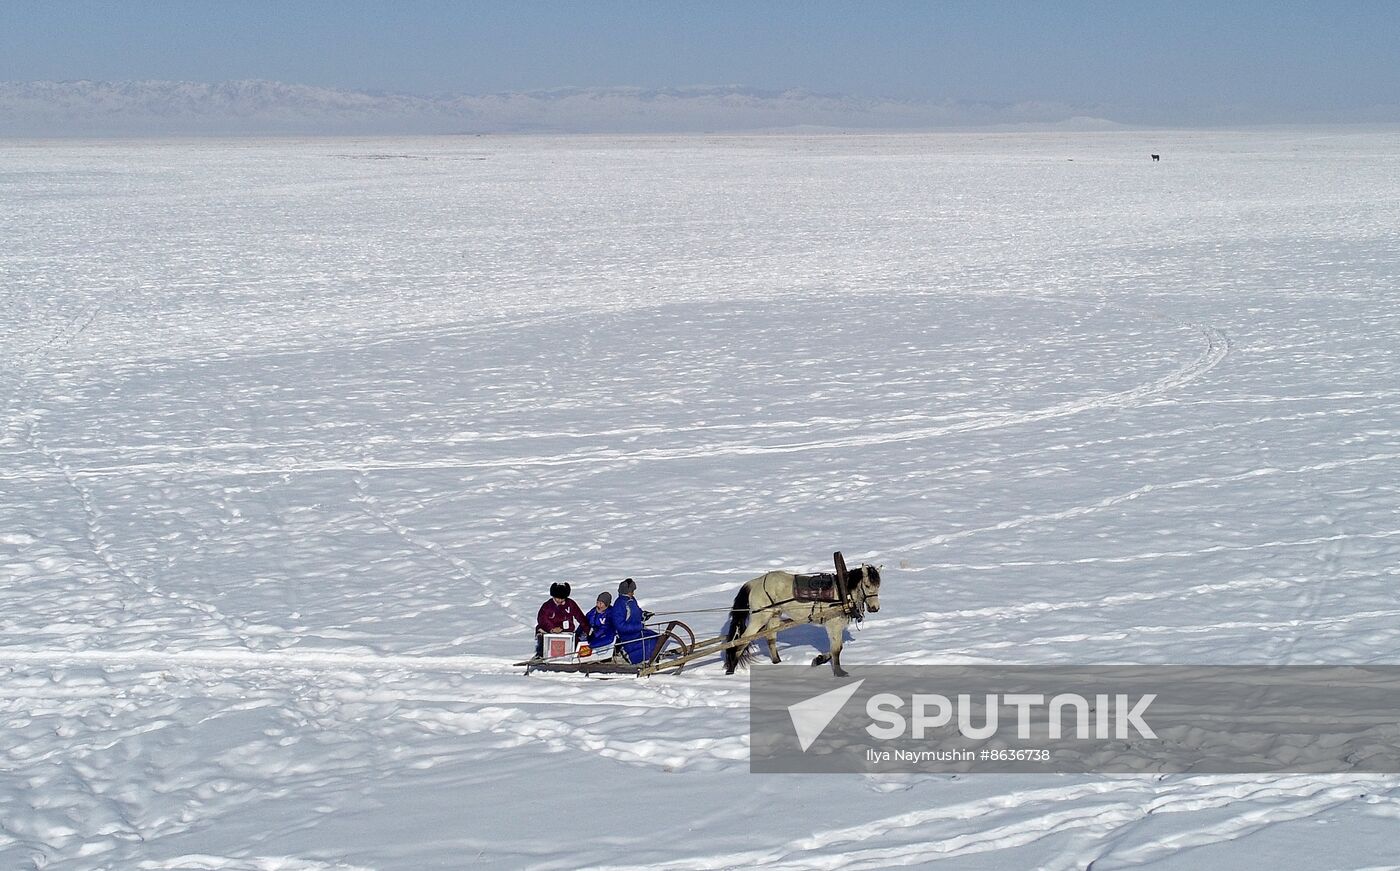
(868,591)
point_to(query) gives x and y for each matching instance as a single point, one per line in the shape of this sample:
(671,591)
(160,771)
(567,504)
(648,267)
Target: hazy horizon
(1183,64)
(85,108)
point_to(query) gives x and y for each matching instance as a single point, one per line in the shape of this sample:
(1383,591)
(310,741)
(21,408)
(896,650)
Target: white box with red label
(558,645)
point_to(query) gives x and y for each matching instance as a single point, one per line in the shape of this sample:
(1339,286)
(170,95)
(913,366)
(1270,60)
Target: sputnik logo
(810,717)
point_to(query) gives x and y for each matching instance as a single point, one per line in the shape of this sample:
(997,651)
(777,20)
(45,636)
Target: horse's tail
(738,622)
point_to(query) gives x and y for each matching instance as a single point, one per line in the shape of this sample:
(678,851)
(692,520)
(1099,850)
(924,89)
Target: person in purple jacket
(601,631)
(638,642)
(558,614)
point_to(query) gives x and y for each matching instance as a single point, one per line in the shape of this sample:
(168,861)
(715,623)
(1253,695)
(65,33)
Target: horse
(1156,157)
(769,598)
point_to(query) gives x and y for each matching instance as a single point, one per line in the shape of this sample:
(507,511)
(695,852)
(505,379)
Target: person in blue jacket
(630,621)
(601,631)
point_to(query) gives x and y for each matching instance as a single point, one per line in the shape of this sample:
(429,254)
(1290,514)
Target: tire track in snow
(65,335)
(255,660)
(926,542)
(458,566)
(1011,821)
(93,530)
(98,543)
(1166,554)
(479,696)
(1311,799)
(1134,633)
(1285,645)
(1217,347)
(936,619)
(209,862)
(19,366)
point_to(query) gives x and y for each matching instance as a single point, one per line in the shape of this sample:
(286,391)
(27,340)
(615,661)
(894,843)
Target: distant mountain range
(86,108)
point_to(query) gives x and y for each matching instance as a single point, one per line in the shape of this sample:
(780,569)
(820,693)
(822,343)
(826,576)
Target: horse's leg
(760,617)
(740,620)
(835,629)
(743,652)
(766,629)
(823,658)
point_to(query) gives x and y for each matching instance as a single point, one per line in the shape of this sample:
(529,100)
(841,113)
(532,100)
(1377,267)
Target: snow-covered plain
(294,435)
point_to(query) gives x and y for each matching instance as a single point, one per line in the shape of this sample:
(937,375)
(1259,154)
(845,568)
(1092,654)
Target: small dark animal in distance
(1156,157)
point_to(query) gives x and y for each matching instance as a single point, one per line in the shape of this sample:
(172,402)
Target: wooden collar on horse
(843,587)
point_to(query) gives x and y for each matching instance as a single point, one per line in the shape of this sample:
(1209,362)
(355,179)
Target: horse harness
(824,588)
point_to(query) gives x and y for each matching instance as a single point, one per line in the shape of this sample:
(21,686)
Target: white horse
(763,603)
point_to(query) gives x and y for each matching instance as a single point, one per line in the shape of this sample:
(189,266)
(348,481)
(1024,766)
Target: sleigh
(676,644)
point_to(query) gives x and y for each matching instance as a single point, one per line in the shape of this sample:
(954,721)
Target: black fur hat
(627,587)
(560,591)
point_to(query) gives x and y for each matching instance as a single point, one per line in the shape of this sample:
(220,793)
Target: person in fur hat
(559,614)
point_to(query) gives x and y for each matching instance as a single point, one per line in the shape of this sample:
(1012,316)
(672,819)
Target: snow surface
(295,435)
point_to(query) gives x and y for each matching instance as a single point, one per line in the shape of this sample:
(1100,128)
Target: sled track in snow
(242,659)
(1217,347)
(942,620)
(370,505)
(1109,502)
(1100,810)
(98,540)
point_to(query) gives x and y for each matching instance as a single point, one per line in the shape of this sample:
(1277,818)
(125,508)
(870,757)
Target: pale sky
(1171,60)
